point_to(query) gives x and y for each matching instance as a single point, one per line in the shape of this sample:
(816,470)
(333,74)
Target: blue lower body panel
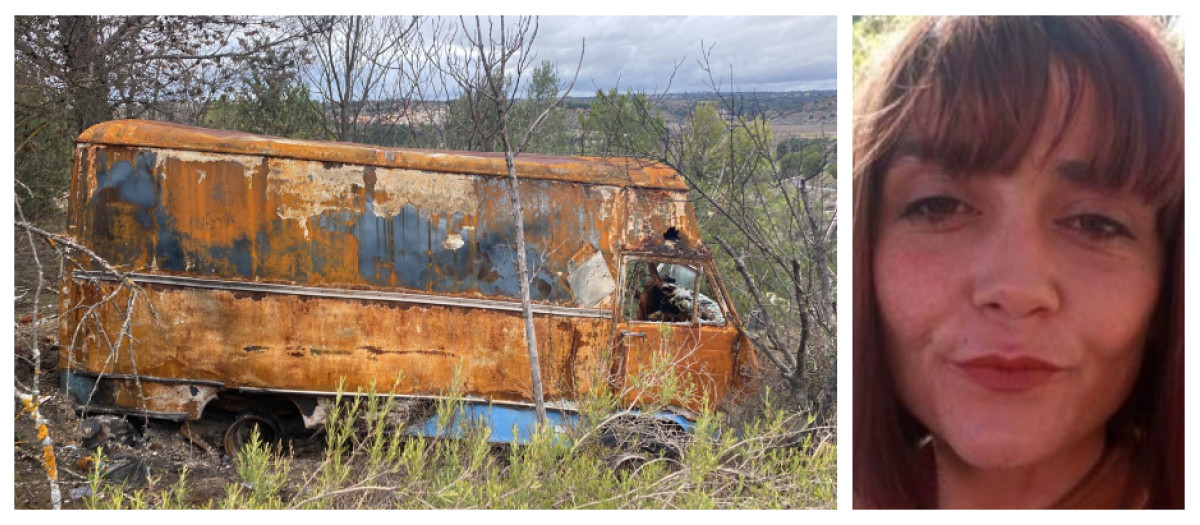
(508,424)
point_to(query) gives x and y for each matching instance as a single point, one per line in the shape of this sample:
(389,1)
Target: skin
(1039,263)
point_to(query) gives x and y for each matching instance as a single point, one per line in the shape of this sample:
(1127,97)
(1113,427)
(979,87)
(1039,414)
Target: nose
(1015,276)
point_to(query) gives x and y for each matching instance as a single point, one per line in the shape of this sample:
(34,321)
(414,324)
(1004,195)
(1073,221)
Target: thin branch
(33,400)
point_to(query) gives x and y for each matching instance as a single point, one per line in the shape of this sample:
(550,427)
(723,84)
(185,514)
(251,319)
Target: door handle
(632,334)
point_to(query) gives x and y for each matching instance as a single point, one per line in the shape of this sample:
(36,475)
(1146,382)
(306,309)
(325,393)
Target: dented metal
(294,267)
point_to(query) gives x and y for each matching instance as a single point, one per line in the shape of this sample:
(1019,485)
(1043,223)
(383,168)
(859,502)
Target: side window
(666,293)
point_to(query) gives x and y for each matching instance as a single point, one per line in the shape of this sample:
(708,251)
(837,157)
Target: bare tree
(777,227)
(72,72)
(358,58)
(32,398)
(490,76)
(147,66)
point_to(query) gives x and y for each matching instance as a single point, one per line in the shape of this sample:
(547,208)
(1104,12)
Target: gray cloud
(767,53)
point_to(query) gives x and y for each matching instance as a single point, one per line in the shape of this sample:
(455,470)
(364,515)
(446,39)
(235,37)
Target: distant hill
(803,114)
(790,108)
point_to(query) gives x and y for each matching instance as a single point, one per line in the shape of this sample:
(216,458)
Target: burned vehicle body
(282,269)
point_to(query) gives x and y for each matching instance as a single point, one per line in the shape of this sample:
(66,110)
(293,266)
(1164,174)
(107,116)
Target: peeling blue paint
(407,248)
(78,388)
(238,255)
(167,250)
(133,184)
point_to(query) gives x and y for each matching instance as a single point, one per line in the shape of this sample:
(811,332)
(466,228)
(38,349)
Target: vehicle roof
(615,171)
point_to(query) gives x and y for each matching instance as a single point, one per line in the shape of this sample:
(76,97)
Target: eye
(1097,227)
(935,210)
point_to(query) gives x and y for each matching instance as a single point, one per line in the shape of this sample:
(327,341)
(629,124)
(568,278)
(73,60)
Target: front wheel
(238,434)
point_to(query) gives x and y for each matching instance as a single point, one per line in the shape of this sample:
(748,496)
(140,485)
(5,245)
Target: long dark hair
(979,85)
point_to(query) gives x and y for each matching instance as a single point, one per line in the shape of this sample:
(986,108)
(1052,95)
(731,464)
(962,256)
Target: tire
(238,434)
(653,437)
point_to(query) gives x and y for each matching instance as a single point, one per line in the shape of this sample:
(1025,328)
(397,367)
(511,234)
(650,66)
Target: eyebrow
(924,150)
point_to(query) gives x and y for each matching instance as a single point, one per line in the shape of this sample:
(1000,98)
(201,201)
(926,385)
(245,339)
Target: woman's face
(1015,306)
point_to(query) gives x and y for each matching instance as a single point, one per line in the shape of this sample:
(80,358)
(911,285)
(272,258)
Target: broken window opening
(671,235)
(666,293)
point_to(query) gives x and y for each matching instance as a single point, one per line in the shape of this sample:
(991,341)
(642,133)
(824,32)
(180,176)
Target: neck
(1036,486)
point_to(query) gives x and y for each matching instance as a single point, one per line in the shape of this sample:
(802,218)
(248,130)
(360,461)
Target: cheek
(1109,301)
(916,292)
(914,288)
(1111,309)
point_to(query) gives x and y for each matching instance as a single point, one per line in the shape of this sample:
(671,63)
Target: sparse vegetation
(775,461)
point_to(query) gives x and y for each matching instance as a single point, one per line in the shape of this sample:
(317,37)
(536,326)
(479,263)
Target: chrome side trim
(143,377)
(338,293)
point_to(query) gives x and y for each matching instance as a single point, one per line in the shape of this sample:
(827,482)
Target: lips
(1008,374)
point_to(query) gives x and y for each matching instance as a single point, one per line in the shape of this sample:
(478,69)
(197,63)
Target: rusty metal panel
(657,216)
(286,220)
(288,342)
(618,172)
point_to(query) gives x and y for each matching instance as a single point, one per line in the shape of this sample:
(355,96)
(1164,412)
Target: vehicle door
(675,335)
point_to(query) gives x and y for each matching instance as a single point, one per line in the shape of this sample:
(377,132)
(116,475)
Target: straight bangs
(975,95)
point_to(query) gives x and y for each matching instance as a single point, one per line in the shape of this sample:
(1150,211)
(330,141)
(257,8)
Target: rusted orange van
(277,272)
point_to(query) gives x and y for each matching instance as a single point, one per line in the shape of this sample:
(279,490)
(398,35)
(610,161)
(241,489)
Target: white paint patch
(432,192)
(249,162)
(649,209)
(453,241)
(303,222)
(606,202)
(310,189)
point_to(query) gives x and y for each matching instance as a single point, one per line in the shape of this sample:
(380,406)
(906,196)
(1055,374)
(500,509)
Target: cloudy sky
(766,53)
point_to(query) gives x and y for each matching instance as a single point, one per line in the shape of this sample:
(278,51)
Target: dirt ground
(149,454)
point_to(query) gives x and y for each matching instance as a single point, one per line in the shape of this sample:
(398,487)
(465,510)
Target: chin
(997,453)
